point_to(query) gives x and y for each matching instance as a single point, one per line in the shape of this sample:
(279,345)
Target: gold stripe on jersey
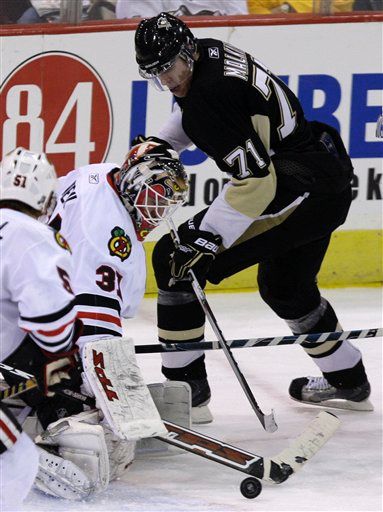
(261,125)
(186,335)
(265,223)
(251,196)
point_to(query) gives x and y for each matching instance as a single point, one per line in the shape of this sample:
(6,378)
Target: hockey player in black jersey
(289,190)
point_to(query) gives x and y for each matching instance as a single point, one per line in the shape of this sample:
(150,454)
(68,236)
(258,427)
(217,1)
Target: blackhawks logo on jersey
(120,244)
(61,241)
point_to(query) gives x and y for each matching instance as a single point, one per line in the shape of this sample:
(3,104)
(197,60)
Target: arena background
(75,93)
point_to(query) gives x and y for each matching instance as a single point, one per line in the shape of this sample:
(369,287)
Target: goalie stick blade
(276,469)
(213,449)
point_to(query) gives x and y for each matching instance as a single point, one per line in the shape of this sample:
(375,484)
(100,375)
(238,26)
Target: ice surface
(345,475)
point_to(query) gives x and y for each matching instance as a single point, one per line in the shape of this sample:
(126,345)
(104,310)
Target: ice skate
(317,391)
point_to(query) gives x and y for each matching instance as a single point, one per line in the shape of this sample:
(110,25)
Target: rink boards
(75,93)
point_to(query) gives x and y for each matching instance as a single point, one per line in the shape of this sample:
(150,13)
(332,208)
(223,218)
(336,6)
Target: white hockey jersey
(35,285)
(109,261)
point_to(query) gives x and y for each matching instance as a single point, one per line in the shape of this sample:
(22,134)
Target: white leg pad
(61,478)
(83,444)
(173,401)
(112,372)
(121,453)
(201,415)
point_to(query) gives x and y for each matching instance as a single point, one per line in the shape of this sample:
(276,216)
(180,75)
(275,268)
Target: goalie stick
(274,469)
(264,342)
(267,420)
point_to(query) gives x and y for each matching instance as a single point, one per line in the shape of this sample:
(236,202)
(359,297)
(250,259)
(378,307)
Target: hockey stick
(267,420)
(264,342)
(17,389)
(275,469)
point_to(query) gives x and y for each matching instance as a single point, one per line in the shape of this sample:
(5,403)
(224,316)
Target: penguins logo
(120,244)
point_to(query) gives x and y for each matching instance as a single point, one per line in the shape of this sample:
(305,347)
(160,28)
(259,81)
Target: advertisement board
(79,97)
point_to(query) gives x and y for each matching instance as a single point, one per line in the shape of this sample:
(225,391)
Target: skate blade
(201,415)
(336,403)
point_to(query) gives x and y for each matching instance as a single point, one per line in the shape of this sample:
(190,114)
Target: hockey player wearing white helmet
(38,320)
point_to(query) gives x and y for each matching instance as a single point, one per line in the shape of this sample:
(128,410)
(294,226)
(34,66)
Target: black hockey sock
(193,371)
(348,378)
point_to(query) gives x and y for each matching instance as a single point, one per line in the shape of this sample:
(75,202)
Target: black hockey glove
(195,251)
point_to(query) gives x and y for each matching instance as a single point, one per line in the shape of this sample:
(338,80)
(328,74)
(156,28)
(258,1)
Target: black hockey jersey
(239,113)
(254,128)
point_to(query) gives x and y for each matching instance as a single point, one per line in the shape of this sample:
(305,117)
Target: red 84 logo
(57,103)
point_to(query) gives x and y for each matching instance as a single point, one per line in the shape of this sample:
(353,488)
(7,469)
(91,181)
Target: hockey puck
(251,488)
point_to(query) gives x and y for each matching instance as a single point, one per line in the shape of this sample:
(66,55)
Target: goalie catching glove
(195,251)
(60,370)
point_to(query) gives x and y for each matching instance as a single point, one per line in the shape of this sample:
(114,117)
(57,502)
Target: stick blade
(304,447)
(269,423)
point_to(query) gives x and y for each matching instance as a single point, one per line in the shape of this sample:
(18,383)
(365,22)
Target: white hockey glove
(86,457)
(61,478)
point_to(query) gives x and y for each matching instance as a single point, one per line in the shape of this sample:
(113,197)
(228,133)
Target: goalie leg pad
(83,444)
(61,478)
(173,401)
(121,454)
(112,372)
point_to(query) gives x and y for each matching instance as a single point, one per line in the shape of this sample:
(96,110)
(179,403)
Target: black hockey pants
(289,257)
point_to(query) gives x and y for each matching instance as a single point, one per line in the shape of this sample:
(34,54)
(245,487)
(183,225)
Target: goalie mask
(152,183)
(29,178)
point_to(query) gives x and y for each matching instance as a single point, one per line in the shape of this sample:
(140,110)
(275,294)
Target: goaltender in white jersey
(105,212)
(109,274)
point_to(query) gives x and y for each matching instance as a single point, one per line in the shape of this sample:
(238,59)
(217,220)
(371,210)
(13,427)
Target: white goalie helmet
(27,177)
(153,183)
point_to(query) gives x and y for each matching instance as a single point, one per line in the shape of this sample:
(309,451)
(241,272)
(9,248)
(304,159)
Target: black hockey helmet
(159,40)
